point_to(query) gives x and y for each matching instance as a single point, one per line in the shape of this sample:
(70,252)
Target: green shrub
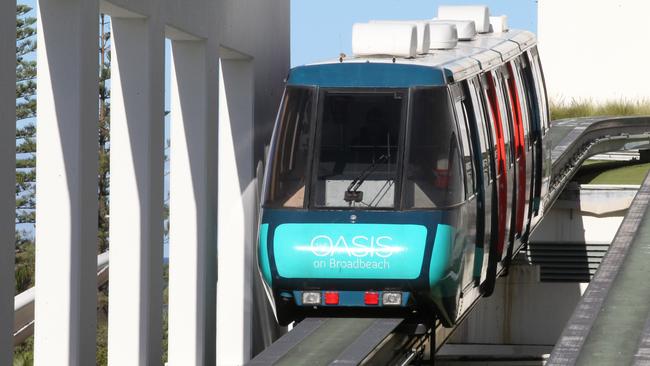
(24,353)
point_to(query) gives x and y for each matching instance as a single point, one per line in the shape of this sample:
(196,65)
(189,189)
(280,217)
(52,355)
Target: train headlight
(311,298)
(391,298)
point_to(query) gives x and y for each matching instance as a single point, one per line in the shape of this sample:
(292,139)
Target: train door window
(357,149)
(499,112)
(515,106)
(531,93)
(480,120)
(290,154)
(506,117)
(433,176)
(540,85)
(484,82)
(464,133)
(516,72)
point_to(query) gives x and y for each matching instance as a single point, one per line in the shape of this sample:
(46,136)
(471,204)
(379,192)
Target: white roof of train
(467,58)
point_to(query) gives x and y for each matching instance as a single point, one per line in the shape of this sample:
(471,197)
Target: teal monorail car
(401,180)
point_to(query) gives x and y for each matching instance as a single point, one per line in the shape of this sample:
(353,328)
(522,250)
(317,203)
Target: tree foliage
(25,146)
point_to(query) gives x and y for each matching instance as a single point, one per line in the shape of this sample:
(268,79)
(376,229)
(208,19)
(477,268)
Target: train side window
(290,159)
(432,176)
(463,131)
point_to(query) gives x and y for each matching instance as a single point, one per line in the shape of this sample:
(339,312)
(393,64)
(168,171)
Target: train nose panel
(349,251)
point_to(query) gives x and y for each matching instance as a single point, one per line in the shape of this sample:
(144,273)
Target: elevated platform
(611,325)
(576,139)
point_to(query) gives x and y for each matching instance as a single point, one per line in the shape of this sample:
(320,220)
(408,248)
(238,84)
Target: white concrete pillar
(66,184)
(7,175)
(136,205)
(193,187)
(237,215)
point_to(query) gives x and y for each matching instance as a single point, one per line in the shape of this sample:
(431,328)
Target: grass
(587,108)
(612,172)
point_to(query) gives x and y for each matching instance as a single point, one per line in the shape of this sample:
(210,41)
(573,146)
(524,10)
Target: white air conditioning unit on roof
(443,36)
(423,31)
(480,14)
(466,28)
(499,24)
(388,39)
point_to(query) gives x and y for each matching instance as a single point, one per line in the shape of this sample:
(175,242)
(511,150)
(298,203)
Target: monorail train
(400,181)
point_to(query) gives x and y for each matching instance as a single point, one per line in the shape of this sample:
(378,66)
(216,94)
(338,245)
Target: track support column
(193,206)
(237,210)
(136,220)
(66,182)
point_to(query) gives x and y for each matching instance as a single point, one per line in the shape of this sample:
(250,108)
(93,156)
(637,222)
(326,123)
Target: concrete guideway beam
(66,185)
(136,205)
(193,206)
(7,175)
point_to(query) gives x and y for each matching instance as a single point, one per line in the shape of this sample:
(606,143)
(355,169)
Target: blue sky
(321,30)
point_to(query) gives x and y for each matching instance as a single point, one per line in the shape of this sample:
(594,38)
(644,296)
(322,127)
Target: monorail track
(348,341)
(358,341)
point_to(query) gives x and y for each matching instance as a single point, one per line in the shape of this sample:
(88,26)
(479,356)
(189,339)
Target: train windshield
(344,149)
(357,149)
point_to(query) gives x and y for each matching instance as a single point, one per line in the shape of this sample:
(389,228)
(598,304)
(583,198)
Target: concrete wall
(260,28)
(595,50)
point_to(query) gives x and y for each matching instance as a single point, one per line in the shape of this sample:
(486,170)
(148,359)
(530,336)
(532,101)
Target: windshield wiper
(352,194)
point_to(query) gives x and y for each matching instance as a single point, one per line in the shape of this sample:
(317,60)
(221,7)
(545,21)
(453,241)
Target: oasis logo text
(357,246)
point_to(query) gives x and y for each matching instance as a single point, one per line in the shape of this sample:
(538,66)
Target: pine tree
(25,145)
(25,162)
(103,178)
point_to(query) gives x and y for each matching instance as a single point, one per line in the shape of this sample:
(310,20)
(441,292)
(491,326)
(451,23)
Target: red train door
(489,88)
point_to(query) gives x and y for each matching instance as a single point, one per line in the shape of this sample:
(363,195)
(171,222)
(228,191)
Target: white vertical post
(236,217)
(193,185)
(136,220)
(66,182)
(7,175)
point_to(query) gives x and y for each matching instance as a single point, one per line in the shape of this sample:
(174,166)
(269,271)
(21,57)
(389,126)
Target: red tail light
(331,298)
(371,298)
